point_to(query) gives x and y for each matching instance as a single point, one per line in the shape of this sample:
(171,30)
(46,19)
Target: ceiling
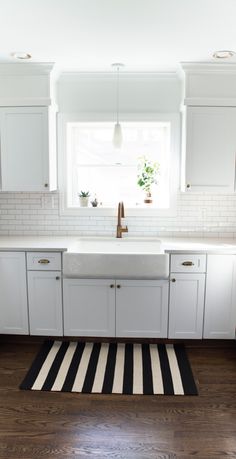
(89,35)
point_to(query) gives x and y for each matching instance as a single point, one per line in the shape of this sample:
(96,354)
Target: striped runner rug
(111,368)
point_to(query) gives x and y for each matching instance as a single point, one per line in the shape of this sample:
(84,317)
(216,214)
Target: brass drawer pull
(188,263)
(43,261)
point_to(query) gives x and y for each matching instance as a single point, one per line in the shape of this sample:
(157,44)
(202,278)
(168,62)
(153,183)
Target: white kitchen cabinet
(43,261)
(188,263)
(220,305)
(141,308)
(186,305)
(45,303)
(210,149)
(122,308)
(13,294)
(89,307)
(28,153)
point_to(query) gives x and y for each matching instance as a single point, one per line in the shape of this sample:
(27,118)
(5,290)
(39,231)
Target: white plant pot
(83,201)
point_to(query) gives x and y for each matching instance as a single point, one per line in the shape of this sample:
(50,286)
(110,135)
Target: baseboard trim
(26,339)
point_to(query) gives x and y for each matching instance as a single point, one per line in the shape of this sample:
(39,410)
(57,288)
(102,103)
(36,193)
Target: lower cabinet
(123,308)
(13,294)
(45,303)
(141,308)
(220,305)
(89,307)
(186,306)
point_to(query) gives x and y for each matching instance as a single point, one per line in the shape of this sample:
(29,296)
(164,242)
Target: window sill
(112,211)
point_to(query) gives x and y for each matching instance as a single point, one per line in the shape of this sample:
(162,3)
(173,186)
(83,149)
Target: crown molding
(26,68)
(25,102)
(208,67)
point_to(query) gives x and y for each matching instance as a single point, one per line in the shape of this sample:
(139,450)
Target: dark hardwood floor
(61,425)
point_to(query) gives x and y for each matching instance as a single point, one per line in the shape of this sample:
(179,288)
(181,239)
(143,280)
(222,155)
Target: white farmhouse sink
(137,258)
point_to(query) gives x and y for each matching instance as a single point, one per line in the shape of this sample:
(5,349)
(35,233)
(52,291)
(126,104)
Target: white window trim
(63,119)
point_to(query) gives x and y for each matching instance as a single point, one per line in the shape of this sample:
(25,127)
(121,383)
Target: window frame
(173,118)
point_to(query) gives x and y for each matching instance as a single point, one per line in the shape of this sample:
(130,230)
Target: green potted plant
(148,172)
(84,198)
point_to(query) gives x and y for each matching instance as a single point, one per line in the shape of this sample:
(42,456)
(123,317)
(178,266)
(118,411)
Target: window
(91,163)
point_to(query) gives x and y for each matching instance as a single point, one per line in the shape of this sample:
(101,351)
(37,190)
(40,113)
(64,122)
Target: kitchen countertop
(203,245)
(170,245)
(35,243)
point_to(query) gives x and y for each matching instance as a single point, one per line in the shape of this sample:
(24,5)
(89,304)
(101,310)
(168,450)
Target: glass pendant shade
(117,136)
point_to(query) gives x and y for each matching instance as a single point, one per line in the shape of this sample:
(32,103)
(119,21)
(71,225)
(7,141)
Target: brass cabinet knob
(118,286)
(112,286)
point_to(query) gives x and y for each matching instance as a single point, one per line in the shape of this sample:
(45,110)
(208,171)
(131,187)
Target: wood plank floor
(60,425)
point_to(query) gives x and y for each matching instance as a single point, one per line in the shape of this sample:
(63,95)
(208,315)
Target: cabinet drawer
(188,263)
(43,261)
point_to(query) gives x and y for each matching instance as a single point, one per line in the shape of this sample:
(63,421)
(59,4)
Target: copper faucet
(121,213)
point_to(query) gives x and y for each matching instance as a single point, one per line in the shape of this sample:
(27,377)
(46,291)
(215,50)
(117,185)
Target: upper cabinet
(27,128)
(209,127)
(210,149)
(27,153)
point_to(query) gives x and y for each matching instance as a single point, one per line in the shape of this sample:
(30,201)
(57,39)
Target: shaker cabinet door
(27,150)
(89,307)
(45,303)
(186,305)
(210,149)
(141,308)
(220,306)
(13,294)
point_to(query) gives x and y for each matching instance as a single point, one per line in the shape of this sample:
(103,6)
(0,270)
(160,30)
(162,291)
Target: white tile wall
(198,215)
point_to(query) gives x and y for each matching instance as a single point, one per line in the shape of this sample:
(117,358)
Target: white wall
(139,93)
(198,215)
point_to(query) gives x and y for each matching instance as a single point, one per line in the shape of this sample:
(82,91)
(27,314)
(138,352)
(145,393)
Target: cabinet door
(141,308)
(13,294)
(210,148)
(220,306)
(89,307)
(186,305)
(24,149)
(45,303)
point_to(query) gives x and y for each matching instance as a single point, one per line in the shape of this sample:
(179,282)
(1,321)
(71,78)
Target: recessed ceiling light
(21,56)
(224,54)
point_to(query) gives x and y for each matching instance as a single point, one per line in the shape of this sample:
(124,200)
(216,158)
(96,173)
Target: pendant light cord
(117,94)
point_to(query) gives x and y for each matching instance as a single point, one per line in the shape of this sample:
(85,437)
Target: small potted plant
(84,198)
(148,172)
(94,202)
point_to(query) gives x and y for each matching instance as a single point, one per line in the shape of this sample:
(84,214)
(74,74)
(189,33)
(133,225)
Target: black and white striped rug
(114,368)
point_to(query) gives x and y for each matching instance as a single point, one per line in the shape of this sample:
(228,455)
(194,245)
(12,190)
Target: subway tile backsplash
(197,215)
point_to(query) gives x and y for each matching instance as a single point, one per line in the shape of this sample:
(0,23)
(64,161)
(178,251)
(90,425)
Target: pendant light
(117,134)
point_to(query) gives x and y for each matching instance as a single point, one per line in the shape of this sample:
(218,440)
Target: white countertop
(203,245)
(35,243)
(174,245)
